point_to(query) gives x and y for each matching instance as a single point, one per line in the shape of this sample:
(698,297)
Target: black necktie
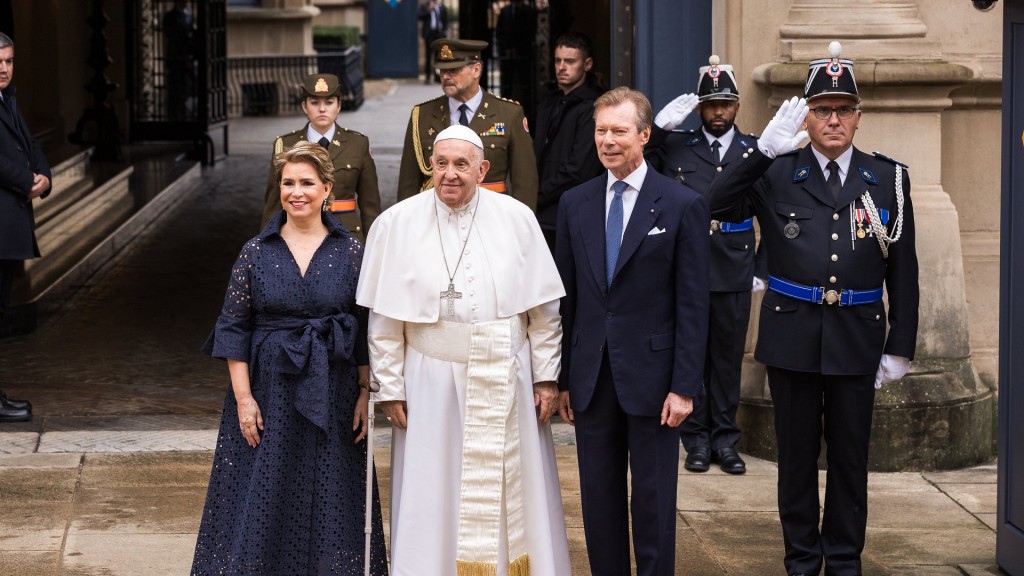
(833,182)
(463,118)
(324,142)
(715,153)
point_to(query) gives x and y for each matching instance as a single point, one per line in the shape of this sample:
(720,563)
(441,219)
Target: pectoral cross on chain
(451,295)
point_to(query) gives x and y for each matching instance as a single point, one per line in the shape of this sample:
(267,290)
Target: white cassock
(493,500)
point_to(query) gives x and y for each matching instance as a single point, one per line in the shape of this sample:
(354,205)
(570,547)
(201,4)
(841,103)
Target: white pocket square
(656,230)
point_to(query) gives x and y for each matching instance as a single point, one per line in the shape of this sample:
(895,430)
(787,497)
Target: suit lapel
(645,213)
(592,215)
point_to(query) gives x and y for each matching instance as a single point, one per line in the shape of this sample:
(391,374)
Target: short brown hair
(623,94)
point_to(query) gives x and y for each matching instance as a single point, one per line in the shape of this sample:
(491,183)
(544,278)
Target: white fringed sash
(491,485)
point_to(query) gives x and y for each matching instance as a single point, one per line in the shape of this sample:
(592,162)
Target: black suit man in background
(696,158)
(24,176)
(434,16)
(564,146)
(839,228)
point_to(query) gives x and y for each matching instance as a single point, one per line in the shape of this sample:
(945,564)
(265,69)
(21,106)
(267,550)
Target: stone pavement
(110,477)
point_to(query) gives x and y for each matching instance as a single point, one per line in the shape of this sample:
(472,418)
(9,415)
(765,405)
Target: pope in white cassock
(465,339)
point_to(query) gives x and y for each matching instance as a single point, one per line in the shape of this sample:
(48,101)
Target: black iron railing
(272,85)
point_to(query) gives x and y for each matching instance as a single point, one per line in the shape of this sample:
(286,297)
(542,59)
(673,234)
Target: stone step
(71,180)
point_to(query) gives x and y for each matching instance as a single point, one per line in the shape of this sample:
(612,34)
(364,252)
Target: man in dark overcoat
(839,229)
(24,176)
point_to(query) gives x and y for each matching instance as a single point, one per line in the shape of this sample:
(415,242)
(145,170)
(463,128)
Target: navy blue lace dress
(295,504)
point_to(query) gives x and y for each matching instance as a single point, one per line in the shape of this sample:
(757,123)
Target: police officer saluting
(839,229)
(500,123)
(356,197)
(696,158)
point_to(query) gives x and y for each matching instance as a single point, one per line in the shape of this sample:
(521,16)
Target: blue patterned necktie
(613,231)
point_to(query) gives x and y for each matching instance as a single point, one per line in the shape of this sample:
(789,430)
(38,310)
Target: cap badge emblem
(446,53)
(835,70)
(321,86)
(714,72)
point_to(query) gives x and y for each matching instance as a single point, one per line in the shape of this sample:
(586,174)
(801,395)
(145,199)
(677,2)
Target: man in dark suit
(838,225)
(632,251)
(355,200)
(696,158)
(24,176)
(434,18)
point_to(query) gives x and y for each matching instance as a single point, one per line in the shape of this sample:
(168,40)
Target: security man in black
(838,225)
(696,158)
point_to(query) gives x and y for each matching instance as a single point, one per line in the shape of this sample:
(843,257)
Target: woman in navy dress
(287,490)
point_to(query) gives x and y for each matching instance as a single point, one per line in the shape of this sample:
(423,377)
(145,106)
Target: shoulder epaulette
(353,132)
(881,156)
(790,153)
(683,131)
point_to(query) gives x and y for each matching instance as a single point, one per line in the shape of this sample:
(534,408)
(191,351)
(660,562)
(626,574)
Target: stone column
(939,415)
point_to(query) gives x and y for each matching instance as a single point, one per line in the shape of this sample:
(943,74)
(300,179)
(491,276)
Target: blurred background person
(564,142)
(24,176)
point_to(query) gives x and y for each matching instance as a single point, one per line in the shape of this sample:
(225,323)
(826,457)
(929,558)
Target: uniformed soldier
(500,123)
(839,228)
(356,198)
(696,158)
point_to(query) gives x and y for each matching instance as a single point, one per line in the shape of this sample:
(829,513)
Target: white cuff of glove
(891,368)
(759,285)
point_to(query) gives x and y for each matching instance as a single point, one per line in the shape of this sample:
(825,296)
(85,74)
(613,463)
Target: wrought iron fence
(272,85)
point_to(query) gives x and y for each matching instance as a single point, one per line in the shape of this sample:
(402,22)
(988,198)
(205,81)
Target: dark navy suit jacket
(654,316)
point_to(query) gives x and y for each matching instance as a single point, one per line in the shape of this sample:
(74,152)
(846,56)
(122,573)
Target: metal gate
(177,76)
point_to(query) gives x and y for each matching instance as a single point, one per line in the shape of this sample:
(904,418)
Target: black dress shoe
(698,459)
(11,414)
(729,461)
(19,404)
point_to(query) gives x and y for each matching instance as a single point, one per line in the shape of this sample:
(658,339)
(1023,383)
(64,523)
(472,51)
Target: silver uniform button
(718,168)
(835,236)
(832,279)
(835,258)
(835,216)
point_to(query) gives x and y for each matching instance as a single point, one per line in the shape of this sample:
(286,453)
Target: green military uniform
(355,178)
(500,123)
(356,195)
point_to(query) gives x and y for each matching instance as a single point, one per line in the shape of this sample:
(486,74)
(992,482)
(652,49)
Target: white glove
(891,368)
(759,285)
(783,133)
(673,114)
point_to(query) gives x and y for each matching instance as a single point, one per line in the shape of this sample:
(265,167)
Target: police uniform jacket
(355,177)
(507,146)
(564,146)
(20,159)
(685,155)
(825,251)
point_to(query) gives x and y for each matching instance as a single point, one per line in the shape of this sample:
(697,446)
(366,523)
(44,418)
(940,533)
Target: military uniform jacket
(355,177)
(685,155)
(20,159)
(822,249)
(507,146)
